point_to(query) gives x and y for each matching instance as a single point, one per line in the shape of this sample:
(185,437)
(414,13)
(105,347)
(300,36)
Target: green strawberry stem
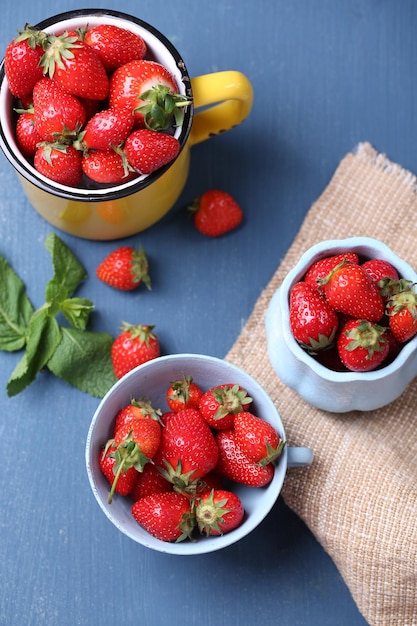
(161,107)
(273,454)
(127,455)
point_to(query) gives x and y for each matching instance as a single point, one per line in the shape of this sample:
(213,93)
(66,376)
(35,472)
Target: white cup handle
(297,456)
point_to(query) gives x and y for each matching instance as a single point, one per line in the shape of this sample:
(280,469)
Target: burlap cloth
(359,498)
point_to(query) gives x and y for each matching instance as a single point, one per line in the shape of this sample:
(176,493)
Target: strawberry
(362,345)
(188,450)
(313,321)
(378,269)
(135,345)
(257,438)
(218,512)
(125,268)
(126,481)
(402,312)
(233,463)
(105,130)
(59,163)
(350,290)
(22,62)
(183,394)
(108,167)
(75,67)
(215,213)
(321,268)
(135,443)
(150,91)
(58,115)
(220,404)
(27,135)
(115,45)
(166,516)
(136,409)
(148,482)
(149,150)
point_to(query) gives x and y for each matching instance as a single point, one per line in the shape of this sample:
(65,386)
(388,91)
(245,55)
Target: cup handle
(231,94)
(297,456)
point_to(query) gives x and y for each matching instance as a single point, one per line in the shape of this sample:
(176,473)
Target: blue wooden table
(326,75)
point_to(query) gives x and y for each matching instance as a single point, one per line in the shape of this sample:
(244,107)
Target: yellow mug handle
(230,92)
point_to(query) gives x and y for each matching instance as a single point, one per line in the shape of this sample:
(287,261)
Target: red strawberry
(215,213)
(183,394)
(75,67)
(114,45)
(149,150)
(135,444)
(350,290)
(125,268)
(126,481)
(107,129)
(135,345)
(362,345)
(379,269)
(233,463)
(148,482)
(188,450)
(21,62)
(166,516)
(137,409)
(144,87)
(220,404)
(218,512)
(402,313)
(108,167)
(26,134)
(58,115)
(258,439)
(59,163)
(321,268)
(313,321)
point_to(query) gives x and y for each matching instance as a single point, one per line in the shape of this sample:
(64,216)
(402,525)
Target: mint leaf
(68,271)
(83,360)
(43,337)
(15,309)
(77,311)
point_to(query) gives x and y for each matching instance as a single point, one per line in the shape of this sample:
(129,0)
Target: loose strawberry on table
(215,213)
(125,268)
(136,344)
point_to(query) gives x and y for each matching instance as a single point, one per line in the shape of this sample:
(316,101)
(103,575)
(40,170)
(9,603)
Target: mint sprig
(80,357)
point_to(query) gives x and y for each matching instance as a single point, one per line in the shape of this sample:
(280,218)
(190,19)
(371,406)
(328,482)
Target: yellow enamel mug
(224,99)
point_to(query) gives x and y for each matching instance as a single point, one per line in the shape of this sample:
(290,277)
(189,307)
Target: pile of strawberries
(172,465)
(351,313)
(91,106)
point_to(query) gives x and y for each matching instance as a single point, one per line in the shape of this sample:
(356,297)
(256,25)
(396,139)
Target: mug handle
(298,456)
(232,92)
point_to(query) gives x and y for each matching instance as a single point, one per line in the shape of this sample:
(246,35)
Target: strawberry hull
(108,212)
(151,380)
(321,386)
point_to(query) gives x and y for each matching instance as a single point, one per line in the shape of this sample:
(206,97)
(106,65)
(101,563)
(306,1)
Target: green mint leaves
(78,356)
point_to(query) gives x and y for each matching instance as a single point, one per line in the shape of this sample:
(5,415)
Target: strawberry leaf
(43,337)
(83,359)
(15,309)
